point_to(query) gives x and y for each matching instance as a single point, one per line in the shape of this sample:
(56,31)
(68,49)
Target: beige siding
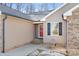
(51,38)
(17,32)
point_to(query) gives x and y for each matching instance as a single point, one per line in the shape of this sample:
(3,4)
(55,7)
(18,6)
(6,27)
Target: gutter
(3,44)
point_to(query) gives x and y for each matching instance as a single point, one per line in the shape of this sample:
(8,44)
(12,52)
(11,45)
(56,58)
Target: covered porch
(38,32)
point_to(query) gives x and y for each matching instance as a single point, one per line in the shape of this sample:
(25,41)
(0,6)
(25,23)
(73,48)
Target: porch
(38,32)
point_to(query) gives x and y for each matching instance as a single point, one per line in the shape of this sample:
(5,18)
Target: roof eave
(69,13)
(53,11)
(16,16)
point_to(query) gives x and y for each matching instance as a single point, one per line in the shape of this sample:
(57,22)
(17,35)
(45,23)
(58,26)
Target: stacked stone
(0,33)
(73,33)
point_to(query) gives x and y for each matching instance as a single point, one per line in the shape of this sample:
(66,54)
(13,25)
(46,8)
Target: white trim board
(69,13)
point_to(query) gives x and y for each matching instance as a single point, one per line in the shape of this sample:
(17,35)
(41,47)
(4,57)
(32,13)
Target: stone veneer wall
(73,32)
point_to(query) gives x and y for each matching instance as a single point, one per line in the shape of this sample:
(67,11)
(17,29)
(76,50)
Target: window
(55,28)
(60,28)
(48,28)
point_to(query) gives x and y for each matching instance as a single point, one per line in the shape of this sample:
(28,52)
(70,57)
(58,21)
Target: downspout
(66,33)
(3,43)
(66,29)
(66,39)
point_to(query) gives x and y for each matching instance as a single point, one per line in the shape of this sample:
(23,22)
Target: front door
(40,31)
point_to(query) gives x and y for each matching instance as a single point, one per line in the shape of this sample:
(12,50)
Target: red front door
(41,30)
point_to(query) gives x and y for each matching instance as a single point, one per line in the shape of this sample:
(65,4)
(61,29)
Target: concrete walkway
(22,51)
(28,49)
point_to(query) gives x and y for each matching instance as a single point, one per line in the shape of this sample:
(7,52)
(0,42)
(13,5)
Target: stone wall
(73,32)
(0,33)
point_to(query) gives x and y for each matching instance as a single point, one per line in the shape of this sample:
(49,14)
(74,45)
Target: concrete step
(37,41)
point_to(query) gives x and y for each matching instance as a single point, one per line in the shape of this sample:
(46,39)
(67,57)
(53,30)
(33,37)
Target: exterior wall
(36,30)
(0,33)
(73,32)
(18,32)
(57,17)
(55,39)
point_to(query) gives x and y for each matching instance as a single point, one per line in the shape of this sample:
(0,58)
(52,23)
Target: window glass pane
(55,28)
